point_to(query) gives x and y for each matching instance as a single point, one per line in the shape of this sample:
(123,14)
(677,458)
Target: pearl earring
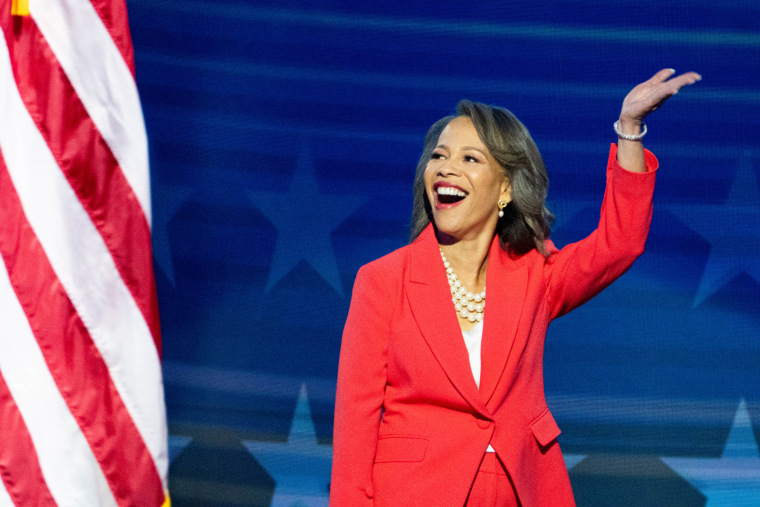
(502,205)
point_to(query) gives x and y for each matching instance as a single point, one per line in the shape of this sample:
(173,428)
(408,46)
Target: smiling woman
(440,396)
(503,139)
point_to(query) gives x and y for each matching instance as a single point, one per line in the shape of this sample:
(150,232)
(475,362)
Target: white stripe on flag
(82,263)
(68,465)
(103,82)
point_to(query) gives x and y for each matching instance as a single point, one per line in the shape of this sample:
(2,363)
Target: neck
(468,258)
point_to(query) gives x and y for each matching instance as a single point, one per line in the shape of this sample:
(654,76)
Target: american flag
(82,415)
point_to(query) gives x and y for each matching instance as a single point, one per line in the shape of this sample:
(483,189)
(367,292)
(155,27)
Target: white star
(734,478)
(731,229)
(300,467)
(305,219)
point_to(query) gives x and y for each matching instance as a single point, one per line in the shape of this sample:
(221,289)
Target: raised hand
(637,105)
(651,94)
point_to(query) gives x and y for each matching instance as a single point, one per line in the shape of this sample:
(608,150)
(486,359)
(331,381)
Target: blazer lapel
(430,301)
(506,286)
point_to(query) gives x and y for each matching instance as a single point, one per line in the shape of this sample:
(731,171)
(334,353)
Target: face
(464,183)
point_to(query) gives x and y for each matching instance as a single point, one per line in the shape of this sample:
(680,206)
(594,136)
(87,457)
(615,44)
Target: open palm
(651,94)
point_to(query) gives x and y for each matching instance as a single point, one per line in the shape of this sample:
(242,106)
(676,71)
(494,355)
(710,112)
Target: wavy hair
(526,223)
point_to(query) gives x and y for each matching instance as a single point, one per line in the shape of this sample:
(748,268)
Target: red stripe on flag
(86,161)
(73,359)
(114,16)
(19,466)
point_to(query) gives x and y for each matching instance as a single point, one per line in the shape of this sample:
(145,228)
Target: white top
(472,340)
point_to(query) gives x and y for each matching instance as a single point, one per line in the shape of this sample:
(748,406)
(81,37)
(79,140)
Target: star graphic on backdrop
(573,459)
(300,467)
(166,201)
(734,478)
(305,218)
(733,231)
(177,444)
(564,211)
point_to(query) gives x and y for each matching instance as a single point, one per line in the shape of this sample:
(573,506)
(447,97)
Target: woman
(440,395)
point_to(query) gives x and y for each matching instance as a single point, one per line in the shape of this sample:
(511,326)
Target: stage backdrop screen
(283,142)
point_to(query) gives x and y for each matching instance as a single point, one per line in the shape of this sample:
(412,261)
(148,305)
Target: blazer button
(484,424)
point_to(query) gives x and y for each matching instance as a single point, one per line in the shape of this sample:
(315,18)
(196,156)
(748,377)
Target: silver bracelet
(629,137)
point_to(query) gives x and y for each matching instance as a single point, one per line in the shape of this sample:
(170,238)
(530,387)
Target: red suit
(411,426)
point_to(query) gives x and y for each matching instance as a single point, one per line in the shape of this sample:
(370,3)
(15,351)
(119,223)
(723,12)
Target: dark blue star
(166,201)
(305,218)
(733,231)
(565,211)
(177,444)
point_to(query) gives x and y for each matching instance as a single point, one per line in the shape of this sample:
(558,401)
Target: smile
(448,195)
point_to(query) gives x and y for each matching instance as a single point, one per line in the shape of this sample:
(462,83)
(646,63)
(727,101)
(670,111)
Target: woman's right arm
(361,387)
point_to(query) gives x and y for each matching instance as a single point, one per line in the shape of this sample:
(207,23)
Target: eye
(470,158)
(437,155)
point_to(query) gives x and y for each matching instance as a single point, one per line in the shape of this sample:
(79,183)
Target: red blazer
(411,426)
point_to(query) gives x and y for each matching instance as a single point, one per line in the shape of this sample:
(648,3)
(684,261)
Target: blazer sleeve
(581,270)
(361,388)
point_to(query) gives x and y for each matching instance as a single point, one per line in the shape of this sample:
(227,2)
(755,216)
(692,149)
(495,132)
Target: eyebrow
(463,147)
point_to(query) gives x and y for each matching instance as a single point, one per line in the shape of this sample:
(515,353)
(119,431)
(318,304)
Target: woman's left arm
(581,270)
(642,100)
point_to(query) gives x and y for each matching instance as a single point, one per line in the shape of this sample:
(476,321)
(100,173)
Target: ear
(506,191)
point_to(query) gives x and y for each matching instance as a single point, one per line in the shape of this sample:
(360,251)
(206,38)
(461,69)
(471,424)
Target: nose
(448,168)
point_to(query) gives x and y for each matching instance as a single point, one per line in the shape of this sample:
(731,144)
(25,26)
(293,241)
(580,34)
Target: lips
(447,195)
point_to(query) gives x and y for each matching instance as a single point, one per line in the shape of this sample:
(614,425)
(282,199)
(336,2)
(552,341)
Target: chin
(448,230)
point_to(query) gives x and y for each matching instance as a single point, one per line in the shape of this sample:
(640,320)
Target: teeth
(451,191)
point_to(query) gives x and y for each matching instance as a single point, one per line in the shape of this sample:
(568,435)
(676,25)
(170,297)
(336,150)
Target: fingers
(689,78)
(662,85)
(662,76)
(651,94)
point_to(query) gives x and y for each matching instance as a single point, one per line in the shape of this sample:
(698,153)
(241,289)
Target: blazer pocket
(401,448)
(545,429)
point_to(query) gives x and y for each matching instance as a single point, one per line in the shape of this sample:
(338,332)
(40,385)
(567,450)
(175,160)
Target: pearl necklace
(468,305)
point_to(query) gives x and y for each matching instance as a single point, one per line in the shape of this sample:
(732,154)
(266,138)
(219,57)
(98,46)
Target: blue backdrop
(283,138)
